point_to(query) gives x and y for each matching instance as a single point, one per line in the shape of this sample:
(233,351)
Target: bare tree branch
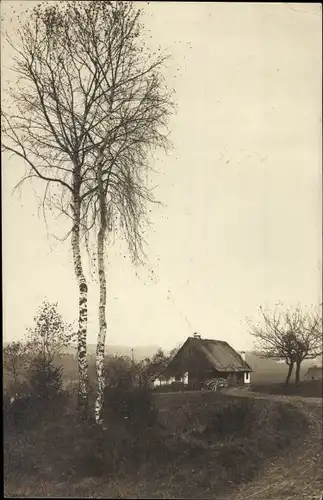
(291,335)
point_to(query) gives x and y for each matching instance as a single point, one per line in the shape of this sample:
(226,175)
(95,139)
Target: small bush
(119,448)
(129,439)
(41,399)
(136,405)
(28,410)
(45,379)
(236,417)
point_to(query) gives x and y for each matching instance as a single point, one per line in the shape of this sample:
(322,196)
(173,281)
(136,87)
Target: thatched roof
(219,354)
(222,356)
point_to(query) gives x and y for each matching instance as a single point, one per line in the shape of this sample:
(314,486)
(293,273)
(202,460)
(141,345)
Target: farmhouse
(314,373)
(202,359)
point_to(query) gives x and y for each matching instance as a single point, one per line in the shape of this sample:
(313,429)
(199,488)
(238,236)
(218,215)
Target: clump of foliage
(136,405)
(234,437)
(42,392)
(15,362)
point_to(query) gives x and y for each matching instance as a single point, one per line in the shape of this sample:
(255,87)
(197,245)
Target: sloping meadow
(164,446)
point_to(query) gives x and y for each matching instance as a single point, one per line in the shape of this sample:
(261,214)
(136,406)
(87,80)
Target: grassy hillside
(196,446)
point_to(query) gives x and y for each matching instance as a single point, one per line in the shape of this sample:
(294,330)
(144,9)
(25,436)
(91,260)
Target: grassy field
(306,389)
(195,445)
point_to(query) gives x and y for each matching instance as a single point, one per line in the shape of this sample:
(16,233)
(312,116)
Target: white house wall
(158,382)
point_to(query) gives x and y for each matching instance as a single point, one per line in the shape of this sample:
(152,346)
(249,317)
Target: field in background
(269,371)
(306,389)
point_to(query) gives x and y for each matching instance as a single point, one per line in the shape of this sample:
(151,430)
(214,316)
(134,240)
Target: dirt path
(296,476)
(299,400)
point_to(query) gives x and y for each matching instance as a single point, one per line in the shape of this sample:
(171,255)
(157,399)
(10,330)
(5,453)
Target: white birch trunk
(83,313)
(100,348)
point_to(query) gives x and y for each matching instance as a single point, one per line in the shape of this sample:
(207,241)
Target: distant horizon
(154,347)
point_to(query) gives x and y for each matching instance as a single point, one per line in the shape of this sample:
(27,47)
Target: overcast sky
(242,185)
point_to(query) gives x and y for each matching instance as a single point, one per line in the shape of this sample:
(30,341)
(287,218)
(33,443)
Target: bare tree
(291,335)
(309,342)
(87,105)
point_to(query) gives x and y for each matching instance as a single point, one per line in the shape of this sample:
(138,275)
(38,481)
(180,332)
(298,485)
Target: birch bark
(101,238)
(83,309)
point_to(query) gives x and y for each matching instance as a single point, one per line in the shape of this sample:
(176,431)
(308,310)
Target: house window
(178,378)
(247,376)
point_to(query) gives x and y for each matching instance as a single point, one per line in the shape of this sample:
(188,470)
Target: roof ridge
(209,340)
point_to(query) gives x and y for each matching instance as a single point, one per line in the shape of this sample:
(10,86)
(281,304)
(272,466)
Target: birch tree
(139,106)
(49,110)
(89,105)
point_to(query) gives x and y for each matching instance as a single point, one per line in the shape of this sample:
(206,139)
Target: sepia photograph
(162,249)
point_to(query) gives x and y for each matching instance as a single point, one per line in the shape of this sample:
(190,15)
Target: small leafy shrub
(45,379)
(235,417)
(118,449)
(130,437)
(28,410)
(134,405)
(42,398)
(277,426)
